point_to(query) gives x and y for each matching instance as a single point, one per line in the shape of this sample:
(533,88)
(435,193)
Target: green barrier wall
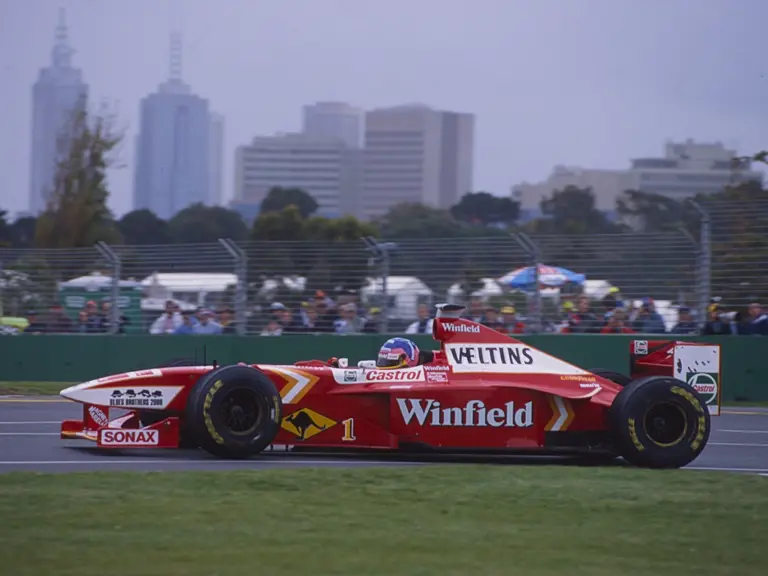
(79,358)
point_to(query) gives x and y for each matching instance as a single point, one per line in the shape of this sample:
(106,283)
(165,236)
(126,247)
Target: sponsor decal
(491,354)
(98,416)
(699,366)
(589,385)
(437,368)
(474,414)
(130,437)
(136,398)
(461,328)
(350,375)
(704,383)
(507,359)
(396,375)
(305,423)
(579,378)
(437,377)
(641,347)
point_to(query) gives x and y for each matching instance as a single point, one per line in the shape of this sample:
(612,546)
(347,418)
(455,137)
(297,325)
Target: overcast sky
(578,82)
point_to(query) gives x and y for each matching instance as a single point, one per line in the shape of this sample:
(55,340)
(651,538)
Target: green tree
(412,220)
(201,224)
(23,232)
(77,214)
(441,251)
(651,212)
(279,198)
(6,230)
(143,227)
(327,252)
(486,209)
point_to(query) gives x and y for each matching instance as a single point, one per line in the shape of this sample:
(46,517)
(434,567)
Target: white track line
(725,469)
(185,462)
(743,444)
(23,423)
(30,433)
(728,431)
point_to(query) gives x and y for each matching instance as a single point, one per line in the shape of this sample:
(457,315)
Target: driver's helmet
(398,353)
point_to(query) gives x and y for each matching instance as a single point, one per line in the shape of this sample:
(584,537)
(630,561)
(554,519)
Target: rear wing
(696,363)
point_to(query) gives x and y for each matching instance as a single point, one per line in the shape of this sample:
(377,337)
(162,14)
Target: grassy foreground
(441,520)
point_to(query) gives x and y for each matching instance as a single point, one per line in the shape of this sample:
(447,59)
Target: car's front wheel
(234,411)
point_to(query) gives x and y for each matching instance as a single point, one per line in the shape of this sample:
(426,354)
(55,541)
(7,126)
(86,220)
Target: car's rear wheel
(615,377)
(659,422)
(234,412)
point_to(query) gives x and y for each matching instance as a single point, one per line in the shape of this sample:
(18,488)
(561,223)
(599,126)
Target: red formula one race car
(479,392)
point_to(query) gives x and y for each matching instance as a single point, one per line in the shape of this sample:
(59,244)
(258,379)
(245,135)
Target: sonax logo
(130,437)
(473,414)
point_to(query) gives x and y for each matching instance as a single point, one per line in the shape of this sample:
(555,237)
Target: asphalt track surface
(29,441)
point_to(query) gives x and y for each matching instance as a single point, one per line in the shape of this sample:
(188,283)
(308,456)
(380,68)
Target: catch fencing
(723,254)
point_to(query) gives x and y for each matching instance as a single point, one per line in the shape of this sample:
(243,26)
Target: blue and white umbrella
(551,276)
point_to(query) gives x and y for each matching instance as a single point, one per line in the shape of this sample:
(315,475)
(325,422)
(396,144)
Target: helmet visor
(391,359)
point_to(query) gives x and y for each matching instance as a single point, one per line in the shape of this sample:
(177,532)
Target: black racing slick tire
(615,377)
(659,422)
(234,412)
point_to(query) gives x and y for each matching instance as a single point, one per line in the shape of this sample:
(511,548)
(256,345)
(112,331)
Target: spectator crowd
(346,315)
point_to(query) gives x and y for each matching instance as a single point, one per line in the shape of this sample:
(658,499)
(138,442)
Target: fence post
(704,280)
(114,260)
(241,290)
(381,254)
(533,251)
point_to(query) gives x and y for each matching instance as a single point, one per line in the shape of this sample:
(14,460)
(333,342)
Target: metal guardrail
(723,255)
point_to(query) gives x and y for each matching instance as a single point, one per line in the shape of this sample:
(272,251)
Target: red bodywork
(481,390)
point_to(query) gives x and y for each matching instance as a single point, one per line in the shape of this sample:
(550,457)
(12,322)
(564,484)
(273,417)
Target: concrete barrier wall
(42,358)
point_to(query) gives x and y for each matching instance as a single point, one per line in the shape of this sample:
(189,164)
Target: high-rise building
(329,120)
(327,169)
(687,169)
(414,153)
(57,94)
(216,161)
(173,152)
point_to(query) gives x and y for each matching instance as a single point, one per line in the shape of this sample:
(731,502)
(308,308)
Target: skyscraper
(173,150)
(416,154)
(334,120)
(216,162)
(58,92)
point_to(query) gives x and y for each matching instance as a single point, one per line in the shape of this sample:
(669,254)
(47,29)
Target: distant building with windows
(414,153)
(57,94)
(325,168)
(334,121)
(176,149)
(686,169)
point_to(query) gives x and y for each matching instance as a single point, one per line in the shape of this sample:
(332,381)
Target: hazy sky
(579,82)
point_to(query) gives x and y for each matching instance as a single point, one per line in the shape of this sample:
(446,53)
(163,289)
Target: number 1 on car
(349,430)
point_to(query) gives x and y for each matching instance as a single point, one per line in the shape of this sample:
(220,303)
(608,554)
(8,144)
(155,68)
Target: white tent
(190,287)
(490,288)
(404,294)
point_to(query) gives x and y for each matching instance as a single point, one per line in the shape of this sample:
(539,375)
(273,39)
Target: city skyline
(610,96)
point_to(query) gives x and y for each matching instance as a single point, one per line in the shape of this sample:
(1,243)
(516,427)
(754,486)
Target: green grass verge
(32,388)
(432,520)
